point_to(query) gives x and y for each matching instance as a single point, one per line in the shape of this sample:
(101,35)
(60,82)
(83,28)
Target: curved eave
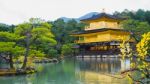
(102,15)
(96,30)
(88,20)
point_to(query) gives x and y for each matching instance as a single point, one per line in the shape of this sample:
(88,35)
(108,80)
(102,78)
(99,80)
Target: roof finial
(103,10)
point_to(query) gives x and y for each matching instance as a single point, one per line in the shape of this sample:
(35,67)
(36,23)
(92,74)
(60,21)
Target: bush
(67,49)
(35,53)
(53,53)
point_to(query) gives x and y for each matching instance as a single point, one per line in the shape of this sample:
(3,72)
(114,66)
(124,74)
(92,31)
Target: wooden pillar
(82,53)
(101,56)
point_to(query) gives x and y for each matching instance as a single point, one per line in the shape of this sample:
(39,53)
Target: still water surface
(75,71)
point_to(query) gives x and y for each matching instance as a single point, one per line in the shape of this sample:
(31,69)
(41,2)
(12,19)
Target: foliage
(35,53)
(67,49)
(7,37)
(136,27)
(6,47)
(35,34)
(52,53)
(140,15)
(33,38)
(9,47)
(62,31)
(42,36)
(5,27)
(23,29)
(125,47)
(138,22)
(141,65)
(143,47)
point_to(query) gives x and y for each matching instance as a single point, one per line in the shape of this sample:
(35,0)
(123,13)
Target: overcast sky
(18,11)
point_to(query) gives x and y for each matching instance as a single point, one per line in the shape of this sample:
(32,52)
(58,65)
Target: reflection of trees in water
(104,65)
(100,71)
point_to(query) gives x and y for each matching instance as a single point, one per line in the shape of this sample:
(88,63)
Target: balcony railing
(79,41)
(83,41)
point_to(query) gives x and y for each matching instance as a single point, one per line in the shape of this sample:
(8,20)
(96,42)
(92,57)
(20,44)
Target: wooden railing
(79,41)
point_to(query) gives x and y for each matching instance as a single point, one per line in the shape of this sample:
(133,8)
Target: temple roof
(97,30)
(100,15)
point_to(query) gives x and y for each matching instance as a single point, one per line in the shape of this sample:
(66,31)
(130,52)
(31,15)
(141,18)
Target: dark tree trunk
(11,61)
(27,51)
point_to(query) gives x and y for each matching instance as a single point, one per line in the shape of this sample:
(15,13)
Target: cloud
(17,11)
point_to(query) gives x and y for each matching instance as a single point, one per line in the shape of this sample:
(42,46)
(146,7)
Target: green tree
(7,37)
(53,53)
(24,30)
(147,16)
(9,47)
(34,33)
(67,49)
(140,15)
(5,27)
(62,31)
(136,27)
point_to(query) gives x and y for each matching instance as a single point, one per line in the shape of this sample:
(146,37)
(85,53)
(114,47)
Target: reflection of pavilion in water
(100,70)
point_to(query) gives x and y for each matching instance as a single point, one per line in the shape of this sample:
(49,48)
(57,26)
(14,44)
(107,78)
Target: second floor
(103,24)
(103,20)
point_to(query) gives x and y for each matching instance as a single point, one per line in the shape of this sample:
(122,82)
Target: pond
(75,71)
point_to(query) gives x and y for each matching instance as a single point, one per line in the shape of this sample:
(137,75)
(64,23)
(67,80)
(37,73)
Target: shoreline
(28,70)
(13,72)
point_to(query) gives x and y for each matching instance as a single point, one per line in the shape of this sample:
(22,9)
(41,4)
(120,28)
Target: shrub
(53,53)
(67,49)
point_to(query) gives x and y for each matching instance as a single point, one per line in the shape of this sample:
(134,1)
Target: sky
(18,11)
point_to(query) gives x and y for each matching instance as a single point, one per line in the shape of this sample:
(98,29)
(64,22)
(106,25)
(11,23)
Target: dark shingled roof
(97,30)
(100,15)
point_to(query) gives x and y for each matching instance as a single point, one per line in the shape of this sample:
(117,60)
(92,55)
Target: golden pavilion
(103,33)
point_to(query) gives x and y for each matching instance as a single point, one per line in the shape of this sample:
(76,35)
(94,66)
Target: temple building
(103,33)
